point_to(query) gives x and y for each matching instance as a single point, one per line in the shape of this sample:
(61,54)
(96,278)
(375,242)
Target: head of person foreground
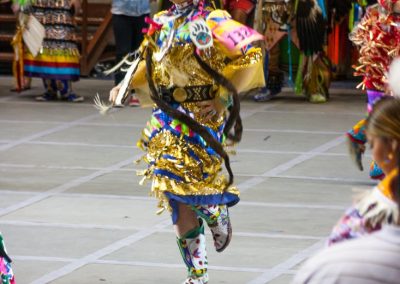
(368,236)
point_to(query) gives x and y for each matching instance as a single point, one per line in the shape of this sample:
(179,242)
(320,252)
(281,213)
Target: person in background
(378,206)
(128,19)
(57,63)
(374,258)
(240,9)
(301,24)
(21,83)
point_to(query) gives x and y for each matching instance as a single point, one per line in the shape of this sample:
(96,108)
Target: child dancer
(195,61)
(57,62)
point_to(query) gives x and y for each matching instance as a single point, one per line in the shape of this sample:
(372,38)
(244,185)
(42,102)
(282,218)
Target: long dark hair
(234,109)
(384,121)
(233,118)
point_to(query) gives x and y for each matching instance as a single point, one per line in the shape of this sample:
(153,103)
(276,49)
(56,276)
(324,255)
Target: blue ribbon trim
(227,198)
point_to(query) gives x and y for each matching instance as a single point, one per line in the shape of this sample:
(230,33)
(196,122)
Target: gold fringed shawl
(18,61)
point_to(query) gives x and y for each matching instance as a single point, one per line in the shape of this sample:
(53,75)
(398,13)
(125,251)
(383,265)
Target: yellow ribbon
(385,186)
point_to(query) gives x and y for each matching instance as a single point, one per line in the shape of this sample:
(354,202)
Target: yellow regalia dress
(182,164)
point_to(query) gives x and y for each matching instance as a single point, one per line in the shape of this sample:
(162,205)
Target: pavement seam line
(244,186)
(307,178)
(290,166)
(130,228)
(56,274)
(145,198)
(276,272)
(261,108)
(238,150)
(288,264)
(133,238)
(282,267)
(141,263)
(68,185)
(134,125)
(46,132)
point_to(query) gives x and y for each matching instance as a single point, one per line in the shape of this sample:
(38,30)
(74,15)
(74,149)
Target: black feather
(311,26)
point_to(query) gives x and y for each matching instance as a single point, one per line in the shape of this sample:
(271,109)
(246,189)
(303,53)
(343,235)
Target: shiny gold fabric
(183,165)
(180,68)
(160,151)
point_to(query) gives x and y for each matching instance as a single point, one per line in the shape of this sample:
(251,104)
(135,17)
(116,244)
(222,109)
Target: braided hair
(193,124)
(233,120)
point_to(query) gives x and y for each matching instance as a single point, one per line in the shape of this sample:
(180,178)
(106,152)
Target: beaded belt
(187,94)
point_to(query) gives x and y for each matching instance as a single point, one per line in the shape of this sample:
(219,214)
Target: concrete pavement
(71,209)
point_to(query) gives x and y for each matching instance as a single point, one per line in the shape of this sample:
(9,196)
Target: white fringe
(33,35)
(123,92)
(376,208)
(102,107)
(124,60)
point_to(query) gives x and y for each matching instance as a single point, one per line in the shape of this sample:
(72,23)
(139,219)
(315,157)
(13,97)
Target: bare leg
(187,220)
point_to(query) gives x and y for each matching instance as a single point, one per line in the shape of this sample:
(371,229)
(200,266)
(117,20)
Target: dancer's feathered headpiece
(387,4)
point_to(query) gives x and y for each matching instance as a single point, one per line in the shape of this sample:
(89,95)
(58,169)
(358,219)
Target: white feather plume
(101,106)
(394,77)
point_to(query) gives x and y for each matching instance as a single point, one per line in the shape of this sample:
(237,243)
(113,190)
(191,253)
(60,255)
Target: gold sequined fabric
(191,170)
(179,161)
(180,68)
(378,38)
